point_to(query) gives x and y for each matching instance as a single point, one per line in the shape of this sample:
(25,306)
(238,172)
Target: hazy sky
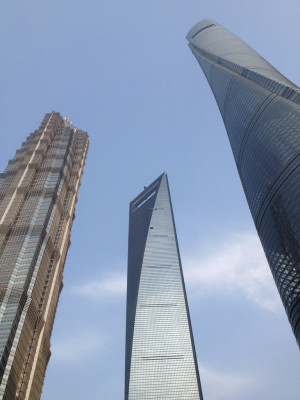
(124,72)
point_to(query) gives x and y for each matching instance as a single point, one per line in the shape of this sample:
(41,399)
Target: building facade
(38,193)
(160,355)
(261,112)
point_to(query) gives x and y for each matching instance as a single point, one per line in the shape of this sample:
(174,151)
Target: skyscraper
(160,355)
(261,112)
(38,193)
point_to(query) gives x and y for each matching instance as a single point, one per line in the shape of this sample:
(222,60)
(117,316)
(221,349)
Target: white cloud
(77,347)
(218,385)
(236,264)
(109,286)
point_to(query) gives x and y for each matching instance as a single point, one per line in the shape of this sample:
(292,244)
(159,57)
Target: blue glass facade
(160,356)
(261,112)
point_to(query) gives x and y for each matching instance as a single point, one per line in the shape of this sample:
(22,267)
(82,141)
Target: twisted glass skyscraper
(261,112)
(38,193)
(160,355)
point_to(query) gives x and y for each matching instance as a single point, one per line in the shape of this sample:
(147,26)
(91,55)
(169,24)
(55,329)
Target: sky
(124,73)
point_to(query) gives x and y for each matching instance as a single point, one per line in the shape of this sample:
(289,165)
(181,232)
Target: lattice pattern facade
(160,356)
(261,112)
(38,193)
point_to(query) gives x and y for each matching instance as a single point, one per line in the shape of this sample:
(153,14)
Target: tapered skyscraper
(261,112)
(38,193)
(160,355)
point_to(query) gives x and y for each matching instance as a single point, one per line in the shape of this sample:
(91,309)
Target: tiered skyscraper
(160,355)
(38,193)
(261,112)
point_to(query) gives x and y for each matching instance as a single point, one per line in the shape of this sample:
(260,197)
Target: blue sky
(124,72)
